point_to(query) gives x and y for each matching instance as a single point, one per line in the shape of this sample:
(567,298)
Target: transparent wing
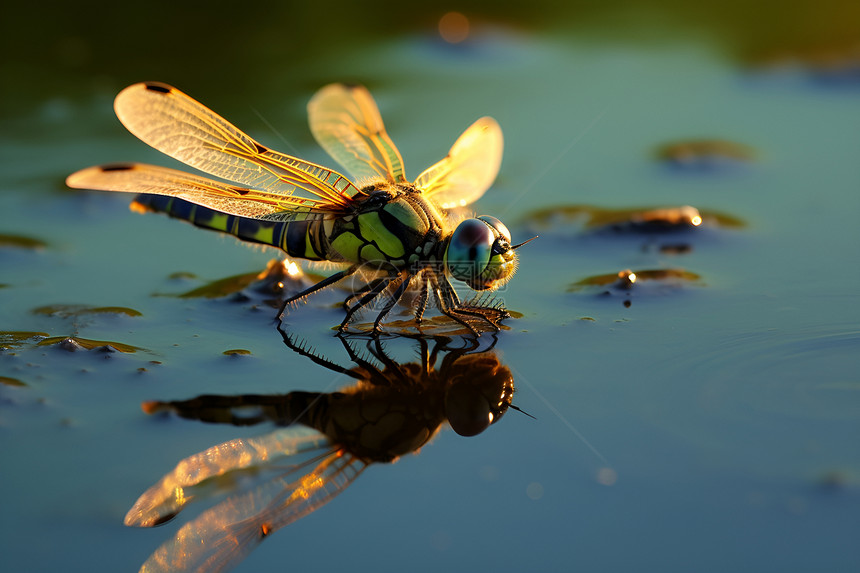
(469,168)
(347,124)
(192,476)
(179,126)
(224,535)
(230,199)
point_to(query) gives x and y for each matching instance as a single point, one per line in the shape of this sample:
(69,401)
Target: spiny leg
(320,285)
(363,291)
(404,284)
(380,285)
(456,306)
(448,299)
(423,298)
(393,369)
(483,314)
(368,286)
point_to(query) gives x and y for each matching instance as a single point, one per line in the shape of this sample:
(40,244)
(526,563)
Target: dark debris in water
(833,481)
(73,310)
(21,242)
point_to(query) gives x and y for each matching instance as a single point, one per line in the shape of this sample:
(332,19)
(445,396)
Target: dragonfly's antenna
(524,242)
(521,411)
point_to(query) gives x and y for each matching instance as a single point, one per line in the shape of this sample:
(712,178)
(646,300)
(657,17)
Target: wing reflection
(324,443)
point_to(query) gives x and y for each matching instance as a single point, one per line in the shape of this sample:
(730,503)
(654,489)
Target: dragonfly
(327,441)
(395,236)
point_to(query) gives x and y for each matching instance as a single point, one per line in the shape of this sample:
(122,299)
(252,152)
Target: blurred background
(254,49)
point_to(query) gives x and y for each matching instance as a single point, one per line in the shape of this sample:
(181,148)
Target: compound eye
(470,249)
(467,410)
(500,227)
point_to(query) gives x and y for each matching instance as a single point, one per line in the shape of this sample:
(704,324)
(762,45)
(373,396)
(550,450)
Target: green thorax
(395,224)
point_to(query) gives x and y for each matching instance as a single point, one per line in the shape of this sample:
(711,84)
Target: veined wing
(347,124)
(179,126)
(190,477)
(469,168)
(230,199)
(224,535)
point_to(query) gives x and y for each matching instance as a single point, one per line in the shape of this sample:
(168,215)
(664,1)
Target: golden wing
(179,126)
(168,497)
(230,199)
(224,535)
(469,168)
(346,123)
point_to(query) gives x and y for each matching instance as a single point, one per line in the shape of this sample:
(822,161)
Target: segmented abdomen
(302,238)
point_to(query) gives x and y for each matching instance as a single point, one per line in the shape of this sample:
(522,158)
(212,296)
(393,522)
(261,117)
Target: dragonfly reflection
(327,440)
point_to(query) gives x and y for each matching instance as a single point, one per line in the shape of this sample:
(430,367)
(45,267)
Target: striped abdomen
(302,238)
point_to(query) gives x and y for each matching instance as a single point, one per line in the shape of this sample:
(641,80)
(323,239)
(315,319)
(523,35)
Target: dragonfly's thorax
(392,225)
(377,424)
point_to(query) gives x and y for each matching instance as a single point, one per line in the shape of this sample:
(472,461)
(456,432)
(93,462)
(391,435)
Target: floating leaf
(21,242)
(67,310)
(221,287)
(237,352)
(635,219)
(182,275)
(13,339)
(278,276)
(704,154)
(73,343)
(627,279)
(11,381)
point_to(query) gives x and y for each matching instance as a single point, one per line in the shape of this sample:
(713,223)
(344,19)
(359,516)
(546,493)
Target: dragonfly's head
(479,253)
(479,392)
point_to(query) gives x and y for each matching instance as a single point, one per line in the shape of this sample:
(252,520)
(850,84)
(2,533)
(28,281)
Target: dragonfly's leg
(363,291)
(360,292)
(455,306)
(320,285)
(423,297)
(378,286)
(392,369)
(404,284)
(451,295)
(477,312)
(448,300)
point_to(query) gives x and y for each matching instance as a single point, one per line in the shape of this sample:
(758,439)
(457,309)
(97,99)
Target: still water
(705,423)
